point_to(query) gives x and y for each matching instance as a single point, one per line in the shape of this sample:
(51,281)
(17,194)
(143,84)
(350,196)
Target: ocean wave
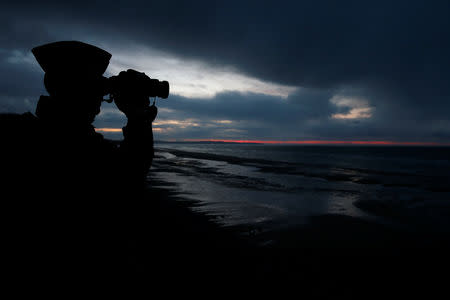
(437,182)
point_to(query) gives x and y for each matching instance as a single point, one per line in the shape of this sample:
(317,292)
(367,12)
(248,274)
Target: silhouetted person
(71,197)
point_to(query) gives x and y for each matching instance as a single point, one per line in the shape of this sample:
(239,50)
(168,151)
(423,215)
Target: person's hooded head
(73,78)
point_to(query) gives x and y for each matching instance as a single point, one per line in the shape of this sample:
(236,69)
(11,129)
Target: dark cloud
(19,75)
(393,53)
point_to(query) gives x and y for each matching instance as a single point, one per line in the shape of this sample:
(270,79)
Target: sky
(254,70)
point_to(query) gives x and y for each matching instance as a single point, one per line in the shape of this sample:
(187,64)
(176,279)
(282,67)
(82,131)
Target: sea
(271,187)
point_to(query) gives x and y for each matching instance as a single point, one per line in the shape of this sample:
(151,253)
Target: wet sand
(334,256)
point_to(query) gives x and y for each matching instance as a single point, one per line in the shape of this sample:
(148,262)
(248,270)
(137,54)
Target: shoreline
(322,258)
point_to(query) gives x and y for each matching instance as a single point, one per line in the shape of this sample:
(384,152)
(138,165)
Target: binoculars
(135,85)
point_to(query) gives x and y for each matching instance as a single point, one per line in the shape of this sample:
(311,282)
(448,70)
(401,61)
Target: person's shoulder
(20,123)
(15,117)
(19,133)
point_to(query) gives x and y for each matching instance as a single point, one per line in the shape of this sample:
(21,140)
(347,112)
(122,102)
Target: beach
(209,217)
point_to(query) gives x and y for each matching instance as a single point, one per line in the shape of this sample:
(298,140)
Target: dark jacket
(70,197)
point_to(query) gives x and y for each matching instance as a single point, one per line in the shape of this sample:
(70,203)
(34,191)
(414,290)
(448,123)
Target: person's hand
(131,99)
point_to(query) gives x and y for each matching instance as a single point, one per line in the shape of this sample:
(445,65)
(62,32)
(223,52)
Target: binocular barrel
(142,86)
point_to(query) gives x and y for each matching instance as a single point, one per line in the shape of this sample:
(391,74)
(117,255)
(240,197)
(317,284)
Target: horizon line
(320,142)
(304,142)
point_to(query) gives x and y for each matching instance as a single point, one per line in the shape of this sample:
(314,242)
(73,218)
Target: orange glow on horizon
(318,142)
(108,129)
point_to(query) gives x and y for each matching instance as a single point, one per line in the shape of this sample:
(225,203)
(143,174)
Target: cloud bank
(285,70)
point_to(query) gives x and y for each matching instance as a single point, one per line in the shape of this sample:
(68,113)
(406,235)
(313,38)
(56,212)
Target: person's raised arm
(137,147)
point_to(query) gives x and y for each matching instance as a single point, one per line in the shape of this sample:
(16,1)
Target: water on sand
(271,187)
